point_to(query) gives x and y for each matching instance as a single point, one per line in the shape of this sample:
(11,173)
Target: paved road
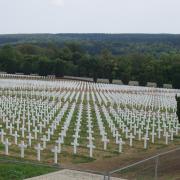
(70,175)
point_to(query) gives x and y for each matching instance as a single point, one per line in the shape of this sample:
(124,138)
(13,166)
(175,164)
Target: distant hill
(94,43)
(138,38)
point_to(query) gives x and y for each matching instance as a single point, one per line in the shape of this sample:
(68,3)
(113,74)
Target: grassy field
(18,170)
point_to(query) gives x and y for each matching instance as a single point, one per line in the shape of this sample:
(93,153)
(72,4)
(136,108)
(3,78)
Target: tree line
(72,59)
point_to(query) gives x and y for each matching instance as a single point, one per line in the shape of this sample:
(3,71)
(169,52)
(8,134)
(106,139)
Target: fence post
(109,176)
(156,167)
(105,175)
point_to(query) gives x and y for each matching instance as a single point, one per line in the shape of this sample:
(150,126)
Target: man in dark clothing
(178,107)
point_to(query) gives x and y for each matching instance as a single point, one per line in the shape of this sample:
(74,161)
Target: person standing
(178,107)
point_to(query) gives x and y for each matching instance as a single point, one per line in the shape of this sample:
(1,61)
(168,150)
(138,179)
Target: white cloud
(58,2)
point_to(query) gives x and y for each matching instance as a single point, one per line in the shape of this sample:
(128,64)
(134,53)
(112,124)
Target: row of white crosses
(77,130)
(138,124)
(90,131)
(31,112)
(135,127)
(100,123)
(63,133)
(30,137)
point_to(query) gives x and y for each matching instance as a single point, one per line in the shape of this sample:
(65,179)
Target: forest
(139,57)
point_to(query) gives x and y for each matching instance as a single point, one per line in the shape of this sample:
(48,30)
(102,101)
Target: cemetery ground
(12,168)
(86,126)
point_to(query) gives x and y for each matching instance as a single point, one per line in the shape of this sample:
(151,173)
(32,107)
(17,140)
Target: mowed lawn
(10,170)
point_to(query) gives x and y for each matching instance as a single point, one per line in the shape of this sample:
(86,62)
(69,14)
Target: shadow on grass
(81,159)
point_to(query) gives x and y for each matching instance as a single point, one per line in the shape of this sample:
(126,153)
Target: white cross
(10,128)
(29,125)
(55,150)
(30,137)
(75,144)
(44,139)
(40,127)
(59,141)
(172,134)
(39,149)
(90,137)
(7,144)
(2,133)
(35,130)
(159,132)
(139,134)
(117,136)
(126,131)
(177,129)
(22,130)
(91,147)
(145,141)
(16,135)
(7,121)
(131,137)
(167,137)
(49,133)
(18,123)
(105,140)
(120,142)
(153,134)
(22,146)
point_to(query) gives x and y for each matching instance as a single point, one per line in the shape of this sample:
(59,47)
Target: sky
(89,16)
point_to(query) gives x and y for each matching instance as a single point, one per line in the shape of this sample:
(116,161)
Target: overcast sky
(89,16)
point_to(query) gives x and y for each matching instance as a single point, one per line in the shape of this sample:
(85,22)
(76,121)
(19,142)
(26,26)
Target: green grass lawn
(18,171)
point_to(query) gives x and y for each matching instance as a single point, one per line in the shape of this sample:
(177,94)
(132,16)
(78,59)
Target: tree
(124,69)
(9,59)
(65,53)
(59,67)
(175,74)
(95,68)
(45,66)
(29,49)
(107,63)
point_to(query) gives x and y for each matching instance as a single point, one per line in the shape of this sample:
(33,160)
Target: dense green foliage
(127,57)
